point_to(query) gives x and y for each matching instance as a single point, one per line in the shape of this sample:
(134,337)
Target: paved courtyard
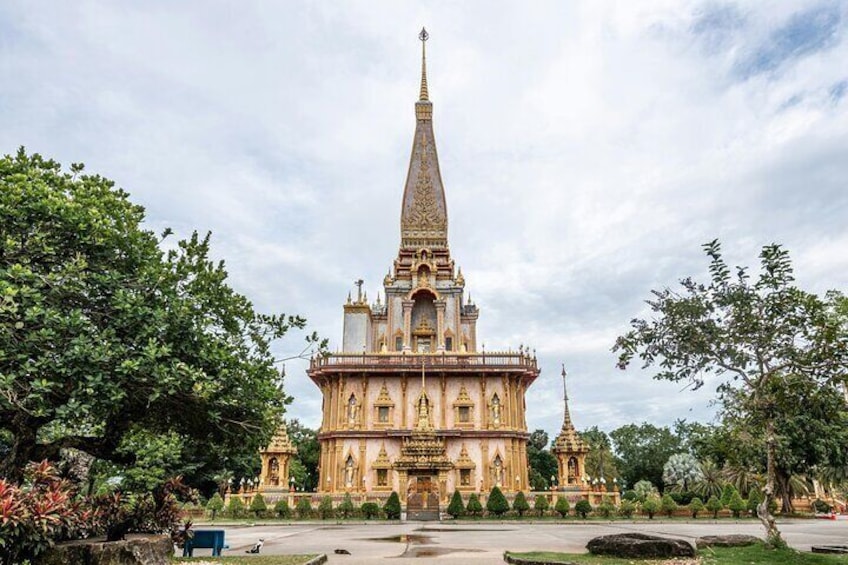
(479,543)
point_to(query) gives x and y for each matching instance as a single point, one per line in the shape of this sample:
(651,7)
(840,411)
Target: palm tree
(743,479)
(712,482)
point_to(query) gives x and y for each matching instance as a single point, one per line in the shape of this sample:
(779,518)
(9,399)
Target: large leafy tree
(763,341)
(600,462)
(642,451)
(103,334)
(304,466)
(542,462)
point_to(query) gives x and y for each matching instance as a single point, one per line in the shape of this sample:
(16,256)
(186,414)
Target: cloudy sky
(588,149)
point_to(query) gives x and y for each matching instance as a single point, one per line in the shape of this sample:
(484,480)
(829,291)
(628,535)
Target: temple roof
(280,443)
(424,214)
(568,440)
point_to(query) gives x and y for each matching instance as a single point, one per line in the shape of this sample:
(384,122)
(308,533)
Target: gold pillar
(440,325)
(407,324)
(403,384)
(484,405)
(444,384)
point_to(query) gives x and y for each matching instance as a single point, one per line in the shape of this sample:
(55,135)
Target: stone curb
(521,561)
(317,560)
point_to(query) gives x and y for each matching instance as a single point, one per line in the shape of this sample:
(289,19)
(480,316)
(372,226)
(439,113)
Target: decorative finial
(566,415)
(359,283)
(424,36)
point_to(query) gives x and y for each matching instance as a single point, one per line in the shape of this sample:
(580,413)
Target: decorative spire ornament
(424,36)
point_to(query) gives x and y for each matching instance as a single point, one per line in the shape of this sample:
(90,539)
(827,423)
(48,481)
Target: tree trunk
(20,454)
(784,492)
(773,538)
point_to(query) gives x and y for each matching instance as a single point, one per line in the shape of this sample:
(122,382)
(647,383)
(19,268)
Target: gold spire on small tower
(424,36)
(566,421)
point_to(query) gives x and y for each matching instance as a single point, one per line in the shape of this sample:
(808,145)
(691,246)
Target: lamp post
(291,484)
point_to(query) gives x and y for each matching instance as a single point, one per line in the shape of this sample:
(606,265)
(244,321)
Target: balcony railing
(409,361)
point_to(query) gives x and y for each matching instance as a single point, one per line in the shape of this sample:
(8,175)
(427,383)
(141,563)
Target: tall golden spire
(566,421)
(424,36)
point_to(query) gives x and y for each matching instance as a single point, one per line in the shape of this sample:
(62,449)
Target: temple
(410,403)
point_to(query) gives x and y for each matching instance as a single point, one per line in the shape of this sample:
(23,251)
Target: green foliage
(346,507)
(583,508)
(496,503)
(392,507)
(562,507)
(737,504)
(696,507)
(105,334)
(520,504)
(630,495)
(370,510)
(771,346)
(325,508)
(727,494)
(668,505)
(821,507)
(456,508)
(644,489)
(303,507)
(281,508)
(755,496)
(714,505)
(474,508)
(303,467)
(643,451)
(711,483)
(627,508)
(215,505)
(606,508)
(651,505)
(235,507)
(600,461)
(258,505)
(540,504)
(681,472)
(543,463)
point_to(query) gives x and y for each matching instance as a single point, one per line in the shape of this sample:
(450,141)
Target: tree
(583,508)
(370,510)
(257,505)
(562,506)
(681,472)
(711,482)
(627,508)
(542,462)
(346,507)
(474,508)
(215,505)
(600,461)
(606,508)
(496,503)
(105,333)
(727,494)
(763,340)
(696,507)
(540,504)
(736,504)
(303,507)
(714,505)
(456,507)
(392,507)
(643,450)
(325,508)
(754,499)
(235,508)
(644,489)
(304,465)
(520,504)
(668,505)
(651,505)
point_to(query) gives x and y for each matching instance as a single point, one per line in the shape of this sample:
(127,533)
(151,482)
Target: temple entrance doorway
(422,497)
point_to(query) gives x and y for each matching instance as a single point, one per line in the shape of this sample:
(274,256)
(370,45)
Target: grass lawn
(753,555)
(248,560)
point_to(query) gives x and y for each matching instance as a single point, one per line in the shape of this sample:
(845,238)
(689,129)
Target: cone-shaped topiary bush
(562,506)
(456,508)
(497,503)
(541,505)
(520,504)
(583,508)
(392,507)
(474,507)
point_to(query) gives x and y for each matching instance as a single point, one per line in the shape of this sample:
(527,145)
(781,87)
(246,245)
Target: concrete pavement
(484,542)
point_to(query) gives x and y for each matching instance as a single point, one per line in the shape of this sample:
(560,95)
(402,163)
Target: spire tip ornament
(424,36)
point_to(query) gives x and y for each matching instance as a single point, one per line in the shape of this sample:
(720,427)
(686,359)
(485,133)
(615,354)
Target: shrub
(714,505)
(474,507)
(682,498)
(644,489)
(606,508)
(303,507)
(215,505)
(821,506)
(696,506)
(668,505)
(540,504)
(630,495)
(257,505)
(737,504)
(281,508)
(392,507)
(754,499)
(727,494)
(496,503)
(627,508)
(583,508)
(370,510)
(651,506)
(325,508)
(235,508)
(346,508)
(520,504)
(562,506)
(456,507)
